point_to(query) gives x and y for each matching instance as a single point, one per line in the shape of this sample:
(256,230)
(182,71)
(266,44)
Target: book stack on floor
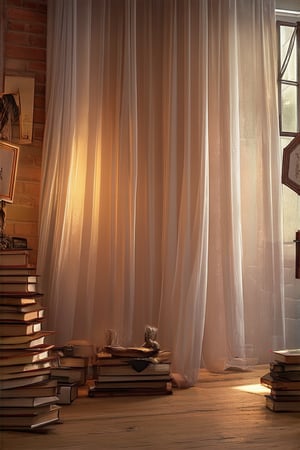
(131,371)
(283,380)
(70,372)
(28,397)
(70,369)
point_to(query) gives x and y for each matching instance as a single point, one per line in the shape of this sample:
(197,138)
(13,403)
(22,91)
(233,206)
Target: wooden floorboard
(220,412)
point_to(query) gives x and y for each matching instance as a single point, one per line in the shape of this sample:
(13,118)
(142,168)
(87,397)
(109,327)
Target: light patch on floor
(253,389)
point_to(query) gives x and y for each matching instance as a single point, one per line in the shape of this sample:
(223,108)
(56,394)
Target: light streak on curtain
(161,198)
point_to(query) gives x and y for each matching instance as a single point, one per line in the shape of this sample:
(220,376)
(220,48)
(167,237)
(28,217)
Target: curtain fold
(160,199)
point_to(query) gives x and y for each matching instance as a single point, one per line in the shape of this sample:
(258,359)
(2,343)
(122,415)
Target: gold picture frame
(291,165)
(9,156)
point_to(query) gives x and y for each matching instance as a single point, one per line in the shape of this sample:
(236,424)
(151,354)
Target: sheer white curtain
(160,199)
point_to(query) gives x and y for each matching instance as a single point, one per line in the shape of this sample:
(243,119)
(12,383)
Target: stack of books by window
(28,397)
(283,380)
(131,371)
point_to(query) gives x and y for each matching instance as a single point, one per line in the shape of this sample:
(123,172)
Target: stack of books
(70,373)
(283,380)
(131,371)
(70,370)
(27,395)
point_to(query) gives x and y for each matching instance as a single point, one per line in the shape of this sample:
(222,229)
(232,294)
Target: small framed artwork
(9,156)
(291,165)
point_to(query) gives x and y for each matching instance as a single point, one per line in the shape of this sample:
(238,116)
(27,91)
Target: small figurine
(150,338)
(111,337)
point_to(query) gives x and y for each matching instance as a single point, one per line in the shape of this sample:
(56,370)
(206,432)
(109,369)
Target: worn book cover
(69,374)
(22,316)
(11,257)
(31,421)
(130,378)
(275,405)
(32,389)
(67,393)
(95,391)
(134,367)
(132,384)
(17,300)
(288,356)
(24,410)
(11,358)
(34,306)
(24,340)
(269,381)
(73,361)
(27,402)
(283,367)
(17,288)
(20,368)
(19,382)
(12,278)
(132,352)
(20,329)
(16,270)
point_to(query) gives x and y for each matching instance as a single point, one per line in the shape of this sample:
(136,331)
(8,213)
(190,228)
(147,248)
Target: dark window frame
(282,81)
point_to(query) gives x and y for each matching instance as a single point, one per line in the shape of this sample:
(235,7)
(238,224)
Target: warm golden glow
(253,389)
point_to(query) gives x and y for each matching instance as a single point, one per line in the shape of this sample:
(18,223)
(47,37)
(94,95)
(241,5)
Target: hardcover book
(12,257)
(282,405)
(19,278)
(19,329)
(16,271)
(29,367)
(67,393)
(24,410)
(18,299)
(269,381)
(30,421)
(21,316)
(135,367)
(24,340)
(24,357)
(289,356)
(69,374)
(32,389)
(17,288)
(19,382)
(28,402)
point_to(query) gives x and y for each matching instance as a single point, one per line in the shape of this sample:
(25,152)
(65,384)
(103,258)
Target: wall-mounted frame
(9,156)
(23,90)
(291,165)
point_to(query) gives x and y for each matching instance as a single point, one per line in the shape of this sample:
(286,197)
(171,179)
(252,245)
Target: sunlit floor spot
(253,389)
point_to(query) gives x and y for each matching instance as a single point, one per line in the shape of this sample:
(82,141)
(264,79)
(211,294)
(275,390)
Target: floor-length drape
(160,199)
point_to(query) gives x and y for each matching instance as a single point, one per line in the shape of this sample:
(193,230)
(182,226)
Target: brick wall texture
(24,54)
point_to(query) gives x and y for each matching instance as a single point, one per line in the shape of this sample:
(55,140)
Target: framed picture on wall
(9,156)
(291,165)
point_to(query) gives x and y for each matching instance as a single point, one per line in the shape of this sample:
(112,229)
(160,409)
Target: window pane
(289,116)
(285,38)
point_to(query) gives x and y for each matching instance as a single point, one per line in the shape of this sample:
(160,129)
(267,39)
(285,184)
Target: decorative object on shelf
(291,178)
